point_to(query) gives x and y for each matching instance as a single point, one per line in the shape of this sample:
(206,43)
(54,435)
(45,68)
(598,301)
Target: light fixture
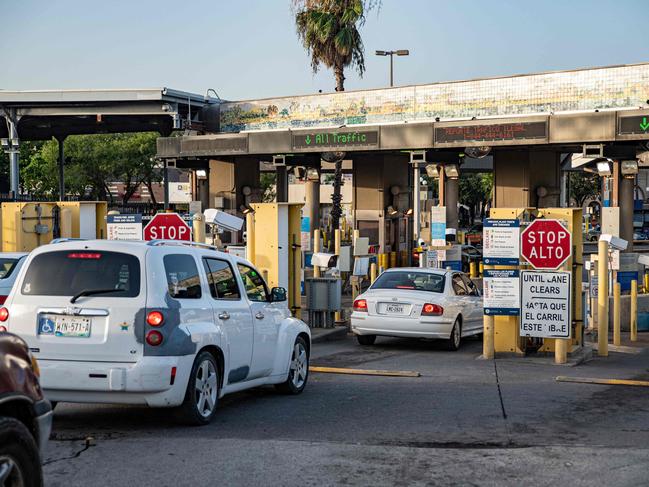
(312,174)
(452,171)
(245,209)
(629,168)
(478,152)
(299,172)
(391,210)
(432,170)
(409,212)
(201,173)
(604,168)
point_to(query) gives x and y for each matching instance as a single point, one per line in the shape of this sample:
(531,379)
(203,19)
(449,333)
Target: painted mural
(587,89)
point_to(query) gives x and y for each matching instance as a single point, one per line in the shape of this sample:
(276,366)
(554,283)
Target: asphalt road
(464,422)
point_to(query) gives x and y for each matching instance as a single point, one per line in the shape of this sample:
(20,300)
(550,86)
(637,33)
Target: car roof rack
(159,242)
(67,239)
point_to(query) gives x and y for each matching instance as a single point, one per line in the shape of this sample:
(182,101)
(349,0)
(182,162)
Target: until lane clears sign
(545,304)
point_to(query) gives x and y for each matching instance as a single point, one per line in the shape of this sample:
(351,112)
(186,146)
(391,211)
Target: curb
(329,334)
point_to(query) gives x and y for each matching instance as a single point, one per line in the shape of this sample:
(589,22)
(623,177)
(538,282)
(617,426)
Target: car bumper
(401,327)
(147,381)
(43,411)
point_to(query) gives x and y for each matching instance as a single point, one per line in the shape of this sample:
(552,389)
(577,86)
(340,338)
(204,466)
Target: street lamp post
(399,52)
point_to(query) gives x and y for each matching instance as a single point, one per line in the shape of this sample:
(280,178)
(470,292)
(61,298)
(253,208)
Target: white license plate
(395,309)
(64,326)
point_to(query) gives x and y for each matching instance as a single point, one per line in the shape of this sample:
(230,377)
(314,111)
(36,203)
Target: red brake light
(432,310)
(155,318)
(84,255)
(4,314)
(154,338)
(173,376)
(360,305)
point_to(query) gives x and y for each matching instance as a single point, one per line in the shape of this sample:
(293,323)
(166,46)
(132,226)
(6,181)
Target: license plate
(395,309)
(64,326)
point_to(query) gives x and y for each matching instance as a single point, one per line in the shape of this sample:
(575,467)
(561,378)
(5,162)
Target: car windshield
(70,272)
(417,281)
(7,266)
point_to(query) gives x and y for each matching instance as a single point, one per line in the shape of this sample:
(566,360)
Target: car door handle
(224,316)
(259,315)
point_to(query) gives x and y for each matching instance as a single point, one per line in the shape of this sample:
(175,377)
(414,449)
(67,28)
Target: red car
(25,415)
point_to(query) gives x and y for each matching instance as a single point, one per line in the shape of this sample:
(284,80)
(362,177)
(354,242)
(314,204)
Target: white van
(160,323)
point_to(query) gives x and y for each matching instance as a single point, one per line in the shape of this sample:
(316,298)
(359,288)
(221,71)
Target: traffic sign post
(167,226)
(546,244)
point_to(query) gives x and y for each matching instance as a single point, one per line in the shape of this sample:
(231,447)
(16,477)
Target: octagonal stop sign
(167,226)
(546,244)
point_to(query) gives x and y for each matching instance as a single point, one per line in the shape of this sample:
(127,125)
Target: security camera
(223,220)
(616,243)
(643,259)
(321,259)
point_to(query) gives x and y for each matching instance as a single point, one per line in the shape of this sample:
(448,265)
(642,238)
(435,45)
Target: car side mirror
(277,295)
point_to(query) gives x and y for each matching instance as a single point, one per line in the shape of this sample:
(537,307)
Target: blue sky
(248,48)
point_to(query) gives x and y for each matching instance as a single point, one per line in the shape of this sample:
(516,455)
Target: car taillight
(84,255)
(360,305)
(4,314)
(155,318)
(172,379)
(3,299)
(154,338)
(432,310)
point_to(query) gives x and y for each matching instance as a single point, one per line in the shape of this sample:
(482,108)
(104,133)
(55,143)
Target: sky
(246,49)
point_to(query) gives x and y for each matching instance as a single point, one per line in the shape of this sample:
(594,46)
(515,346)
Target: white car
(419,303)
(157,323)
(10,264)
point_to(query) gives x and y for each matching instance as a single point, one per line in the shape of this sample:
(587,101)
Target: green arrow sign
(644,125)
(307,139)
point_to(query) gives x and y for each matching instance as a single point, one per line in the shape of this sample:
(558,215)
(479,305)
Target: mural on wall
(587,89)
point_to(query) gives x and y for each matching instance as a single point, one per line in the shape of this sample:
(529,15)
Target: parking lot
(465,421)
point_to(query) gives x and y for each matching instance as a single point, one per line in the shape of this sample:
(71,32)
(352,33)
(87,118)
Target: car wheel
(298,372)
(20,463)
(456,336)
(202,393)
(366,339)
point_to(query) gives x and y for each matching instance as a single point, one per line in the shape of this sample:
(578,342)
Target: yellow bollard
(337,244)
(481,269)
(488,337)
(473,269)
(393,259)
(560,351)
(616,313)
(373,272)
(316,249)
(646,283)
(198,225)
(250,237)
(602,299)
(633,326)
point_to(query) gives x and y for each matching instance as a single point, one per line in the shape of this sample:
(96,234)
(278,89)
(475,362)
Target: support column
(61,141)
(204,190)
(452,198)
(416,203)
(625,199)
(165,183)
(14,155)
(312,202)
(442,186)
(281,185)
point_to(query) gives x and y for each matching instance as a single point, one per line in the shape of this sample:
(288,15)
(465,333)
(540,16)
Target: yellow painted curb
(609,382)
(387,373)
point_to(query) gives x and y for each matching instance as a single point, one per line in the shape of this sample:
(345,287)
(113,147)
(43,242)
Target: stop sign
(167,226)
(546,244)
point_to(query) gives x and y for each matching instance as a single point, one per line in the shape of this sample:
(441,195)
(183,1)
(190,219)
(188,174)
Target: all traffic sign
(167,226)
(546,244)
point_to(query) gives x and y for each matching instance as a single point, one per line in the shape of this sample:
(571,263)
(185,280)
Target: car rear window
(70,272)
(7,266)
(416,281)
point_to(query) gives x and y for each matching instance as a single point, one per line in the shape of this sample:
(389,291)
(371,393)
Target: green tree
(475,190)
(583,186)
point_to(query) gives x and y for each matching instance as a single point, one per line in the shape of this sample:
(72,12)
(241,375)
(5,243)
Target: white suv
(159,323)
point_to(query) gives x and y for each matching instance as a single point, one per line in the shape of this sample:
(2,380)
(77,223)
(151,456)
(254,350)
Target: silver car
(10,264)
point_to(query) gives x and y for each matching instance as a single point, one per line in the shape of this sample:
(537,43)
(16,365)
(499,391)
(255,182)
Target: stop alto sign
(546,244)
(167,226)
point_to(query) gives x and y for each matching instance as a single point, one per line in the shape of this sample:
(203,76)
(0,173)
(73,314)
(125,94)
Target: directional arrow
(308,138)
(644,125)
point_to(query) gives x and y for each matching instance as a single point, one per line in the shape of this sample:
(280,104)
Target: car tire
(298,372)
(455,340)
(366,339)
(202,389)
(20,462)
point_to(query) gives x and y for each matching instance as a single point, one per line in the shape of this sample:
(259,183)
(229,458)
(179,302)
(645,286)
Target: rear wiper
(90,292)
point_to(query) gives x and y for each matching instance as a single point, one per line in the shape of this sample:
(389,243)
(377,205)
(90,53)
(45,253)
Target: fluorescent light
(604,168)
(432,170)
(452,170)
(629,168)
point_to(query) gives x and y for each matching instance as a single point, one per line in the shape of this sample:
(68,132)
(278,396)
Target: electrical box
(87,219)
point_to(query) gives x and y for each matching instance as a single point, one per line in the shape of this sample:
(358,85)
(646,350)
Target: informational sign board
(167,226)
(438,226)
(633,125)
(124,227)
(501,242)
(453,258)
(361,266)
(180,192)
(546,244)
(594,286)
(545,304)
(614,260)
(490,132)
(434,258)
(501,292)
(305,234)
(336,139)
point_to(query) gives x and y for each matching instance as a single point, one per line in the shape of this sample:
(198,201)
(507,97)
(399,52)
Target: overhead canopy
(45,114)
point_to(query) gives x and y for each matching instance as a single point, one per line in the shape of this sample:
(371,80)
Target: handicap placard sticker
(46,326)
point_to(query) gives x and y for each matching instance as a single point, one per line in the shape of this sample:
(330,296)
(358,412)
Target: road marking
(621,348)
(609,382)
(387,373)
